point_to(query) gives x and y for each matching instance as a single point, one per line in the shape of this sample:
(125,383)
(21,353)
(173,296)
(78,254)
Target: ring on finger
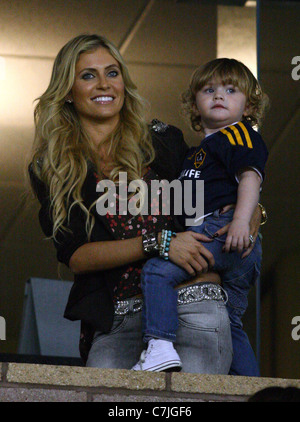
(251,238)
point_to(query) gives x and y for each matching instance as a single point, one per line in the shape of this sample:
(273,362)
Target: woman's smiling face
(98,91)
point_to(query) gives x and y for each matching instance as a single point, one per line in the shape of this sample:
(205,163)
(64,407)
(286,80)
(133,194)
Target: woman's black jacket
(91,296)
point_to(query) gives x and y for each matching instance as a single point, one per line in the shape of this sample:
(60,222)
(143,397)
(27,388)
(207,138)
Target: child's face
(220,105)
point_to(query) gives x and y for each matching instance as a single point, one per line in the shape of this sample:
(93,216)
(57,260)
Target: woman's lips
(103,99)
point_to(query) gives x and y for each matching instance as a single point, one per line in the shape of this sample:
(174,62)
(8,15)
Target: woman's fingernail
(215,235)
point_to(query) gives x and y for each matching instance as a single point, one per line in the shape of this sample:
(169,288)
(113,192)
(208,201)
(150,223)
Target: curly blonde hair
(62,148)
(229,71)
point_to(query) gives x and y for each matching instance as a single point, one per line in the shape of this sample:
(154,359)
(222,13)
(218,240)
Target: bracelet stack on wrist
(150,244)
(166,236)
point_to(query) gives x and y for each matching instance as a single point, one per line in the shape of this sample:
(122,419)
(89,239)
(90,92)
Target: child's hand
(238,236)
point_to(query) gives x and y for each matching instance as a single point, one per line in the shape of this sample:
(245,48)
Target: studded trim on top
(188,294)
(158,126)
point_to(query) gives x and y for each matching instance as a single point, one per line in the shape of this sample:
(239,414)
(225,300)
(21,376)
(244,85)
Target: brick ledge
(36,382)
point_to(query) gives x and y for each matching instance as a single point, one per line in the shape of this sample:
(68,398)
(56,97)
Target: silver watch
(150,244)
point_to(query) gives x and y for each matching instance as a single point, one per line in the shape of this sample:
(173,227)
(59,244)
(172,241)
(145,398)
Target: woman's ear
(69,98)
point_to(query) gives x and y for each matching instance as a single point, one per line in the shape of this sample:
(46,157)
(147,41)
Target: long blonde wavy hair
(229,71)
(62,149)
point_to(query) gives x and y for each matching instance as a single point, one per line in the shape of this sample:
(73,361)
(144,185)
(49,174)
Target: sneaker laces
(142,359)
(144,354)
(153,352)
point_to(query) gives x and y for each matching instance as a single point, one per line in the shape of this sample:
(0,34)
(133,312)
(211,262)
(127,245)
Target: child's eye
(231,90)
(208,90)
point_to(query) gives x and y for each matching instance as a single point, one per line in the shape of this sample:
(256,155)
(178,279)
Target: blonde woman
(90,126)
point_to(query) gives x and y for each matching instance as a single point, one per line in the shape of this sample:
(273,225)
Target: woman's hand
(254,229)
(187,252)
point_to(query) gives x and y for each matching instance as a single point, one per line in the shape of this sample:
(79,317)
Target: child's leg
(159,312)
(159,315)
(237,284)
(244,361)
(238,276)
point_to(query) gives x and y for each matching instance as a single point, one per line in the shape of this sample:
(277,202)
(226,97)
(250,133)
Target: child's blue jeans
(238,275)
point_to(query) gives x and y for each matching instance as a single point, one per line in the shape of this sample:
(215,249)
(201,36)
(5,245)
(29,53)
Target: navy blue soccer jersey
(218,160)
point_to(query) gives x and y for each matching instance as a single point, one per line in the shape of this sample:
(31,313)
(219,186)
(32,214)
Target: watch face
(152,246)
(150,243)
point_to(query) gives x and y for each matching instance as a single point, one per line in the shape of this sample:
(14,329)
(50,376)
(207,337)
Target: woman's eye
(113,73)
(87,76)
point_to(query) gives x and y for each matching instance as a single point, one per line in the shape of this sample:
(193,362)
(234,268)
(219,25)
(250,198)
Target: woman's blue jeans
(159,278)
(203,339)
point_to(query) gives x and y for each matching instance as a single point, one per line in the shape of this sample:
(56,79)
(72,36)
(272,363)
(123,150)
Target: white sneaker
(160,356)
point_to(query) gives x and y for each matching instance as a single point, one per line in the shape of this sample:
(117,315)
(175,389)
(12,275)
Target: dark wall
(279,44)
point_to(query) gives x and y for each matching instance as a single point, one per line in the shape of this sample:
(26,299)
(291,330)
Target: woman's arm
(105,255)
(185,251)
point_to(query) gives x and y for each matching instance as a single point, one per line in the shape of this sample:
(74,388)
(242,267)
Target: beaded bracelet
(164,246)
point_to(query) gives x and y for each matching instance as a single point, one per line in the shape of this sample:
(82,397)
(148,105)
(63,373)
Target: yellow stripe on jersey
(237,135)
(229,136)
(246,133)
